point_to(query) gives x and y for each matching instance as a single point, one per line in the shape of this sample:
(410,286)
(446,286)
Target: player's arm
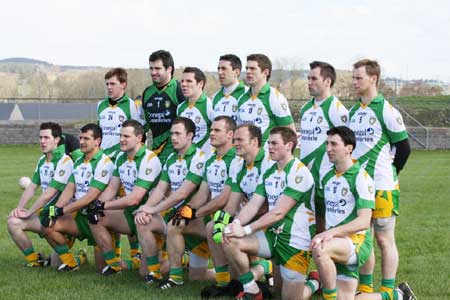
(91,195)
(27,194)
(361,222)
(182,193)
(212,206)
(233,203)
(66,195)
(111,190)
(43,199)
(132,199)
(249,211)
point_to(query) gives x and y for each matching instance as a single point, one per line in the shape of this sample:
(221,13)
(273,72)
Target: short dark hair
(347,135)
(372,67)
(165,57)
(255,132)
(230,124)
(287,135)
(263,62)
(188,124)
(326,70)
(96,130)
(234,60)
(55,128)
(137,127)
(198,74)
(120,74)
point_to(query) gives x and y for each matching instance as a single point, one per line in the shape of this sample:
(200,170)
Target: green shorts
(363,249)
(84,231)
(128,213)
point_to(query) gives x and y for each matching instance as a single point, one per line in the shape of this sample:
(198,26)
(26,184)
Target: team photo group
(221,193)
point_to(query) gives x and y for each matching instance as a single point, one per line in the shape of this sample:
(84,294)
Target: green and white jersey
(95,172)
(54,173)
(190,167)
(160,109)
(377,126)
(247,178)
(201,112)
(295,181)
(266,110)
(343,194)
(110,119)
(220,170)
(316,118)
(225,100)
(142,170)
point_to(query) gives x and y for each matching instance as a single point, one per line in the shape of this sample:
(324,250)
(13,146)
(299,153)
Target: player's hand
(25,214)
(16,212)
(217,233)
(142,218)
(320,239)
(93,217)
(146,209)
(234,230)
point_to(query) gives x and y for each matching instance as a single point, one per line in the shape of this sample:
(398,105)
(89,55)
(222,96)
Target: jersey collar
(58,152)
(96,157)
(329,99)
(140,152)
(191,150)
(350,171)
(201,99)
(378,99)
(229,153)
(264,90)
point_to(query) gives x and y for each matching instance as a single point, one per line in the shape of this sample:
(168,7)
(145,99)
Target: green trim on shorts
(84,231)
(128,213)
(363,254)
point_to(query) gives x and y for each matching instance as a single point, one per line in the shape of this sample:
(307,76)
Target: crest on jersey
(197,119)
(344,119)
(104,173)
(222,173)
(298,179)
(184,172)
(284,106)
(51,173)
(88,174)
(167,104)
(371,189)
(234,108)
(399,121)
(260,109)
(148,171)
(344,192)
(372,120)
(319,120)
(199,165)
(134,173)
(61,173)
(282,184)
(121,118)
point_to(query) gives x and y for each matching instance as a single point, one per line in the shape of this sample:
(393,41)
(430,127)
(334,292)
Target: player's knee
(14,223)
(209,229)
(318,253)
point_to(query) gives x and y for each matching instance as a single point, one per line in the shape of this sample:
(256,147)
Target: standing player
(283,232)
(90,176)
(197,106)
(136,169)
(181,176)
(160,102)
(263,105)
(379,128)
(52,173)
(225,100)
(114,110)
(317,116)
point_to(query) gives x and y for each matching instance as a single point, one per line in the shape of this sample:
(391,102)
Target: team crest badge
(372,120)
(61,172)
(344,192)
(282,184)
(104,173)
(88,174)
(184,172)
(284,106)
(134,173)
(234,108)
(371,189)
(344,119)
(199,165)
(298,179)
(260,109)
(197,119)
(121,118)
(51,173)
(319,120)
(148,171)
(399,120)
(222,173)
(167,104)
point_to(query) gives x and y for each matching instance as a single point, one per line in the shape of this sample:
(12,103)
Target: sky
(410,39)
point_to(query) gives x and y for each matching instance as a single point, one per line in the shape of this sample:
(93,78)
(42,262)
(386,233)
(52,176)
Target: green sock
(153,266)
(313,285)
(246,278)
(263,263)
(223,276)
(176,274)
(329,294)
(387,288)
(365,283)
(111,259)
(30,255)
(134,248)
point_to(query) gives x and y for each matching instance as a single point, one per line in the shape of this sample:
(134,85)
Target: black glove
(97,207)
(184,212)
(93,217)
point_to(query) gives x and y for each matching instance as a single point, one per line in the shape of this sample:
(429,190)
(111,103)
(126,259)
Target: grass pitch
(423,238)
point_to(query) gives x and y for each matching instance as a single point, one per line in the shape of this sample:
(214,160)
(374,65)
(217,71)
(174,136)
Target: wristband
(237,221)
(248,230)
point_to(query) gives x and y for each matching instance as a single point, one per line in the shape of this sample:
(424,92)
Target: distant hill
(25,60)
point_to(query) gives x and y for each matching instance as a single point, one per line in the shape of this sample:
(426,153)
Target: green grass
(422,235)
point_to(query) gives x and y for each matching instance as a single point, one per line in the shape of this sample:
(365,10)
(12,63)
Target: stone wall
(20,133)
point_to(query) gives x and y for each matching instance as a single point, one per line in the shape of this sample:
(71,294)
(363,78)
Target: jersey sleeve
(365,190)
(197,168)
(137,113)
(235,166)
(117,163)
(393,120)
(208,162)
(235,180)
(338,113)
(209,109)
(149,170)
(36,179)
(165,170)
(280,108)
(62,173)
(299,183)
(102,174)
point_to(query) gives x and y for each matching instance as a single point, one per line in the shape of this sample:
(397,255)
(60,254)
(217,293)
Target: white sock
(251,287)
